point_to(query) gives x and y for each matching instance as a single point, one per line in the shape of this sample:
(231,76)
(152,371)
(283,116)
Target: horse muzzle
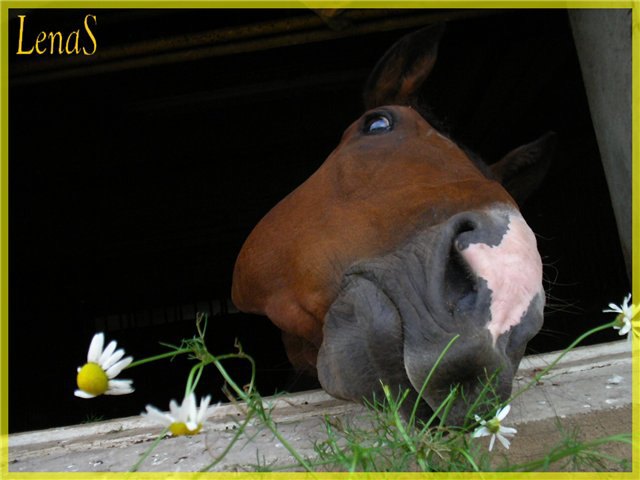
(477,277)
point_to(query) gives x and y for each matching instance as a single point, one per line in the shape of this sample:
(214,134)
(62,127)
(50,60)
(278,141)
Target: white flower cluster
(97,377)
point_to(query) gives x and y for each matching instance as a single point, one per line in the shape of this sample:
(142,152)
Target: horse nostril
(466,291)
(460,282)
(459,278)
(465,225)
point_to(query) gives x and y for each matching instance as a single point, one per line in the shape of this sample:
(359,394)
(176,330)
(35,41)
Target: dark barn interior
(136,174)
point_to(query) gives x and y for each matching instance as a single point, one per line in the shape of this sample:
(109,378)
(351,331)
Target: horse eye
(377,123)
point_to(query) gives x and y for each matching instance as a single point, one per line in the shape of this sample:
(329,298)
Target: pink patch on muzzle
(512,270)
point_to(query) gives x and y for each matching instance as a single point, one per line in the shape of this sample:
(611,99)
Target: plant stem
(558,454)
(255,402)
(537,378)
(146,454)
(233,441)
(428,379)
(466,455)
(158,357)
(403,433)
(267,420)
(241,393)
(196,372)
(452,394)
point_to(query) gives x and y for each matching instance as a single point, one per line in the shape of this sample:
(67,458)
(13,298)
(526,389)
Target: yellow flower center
(92,379)
(619,321)
(180,428)
(493,425)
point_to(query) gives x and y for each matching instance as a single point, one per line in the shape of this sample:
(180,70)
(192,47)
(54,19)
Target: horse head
(399,242)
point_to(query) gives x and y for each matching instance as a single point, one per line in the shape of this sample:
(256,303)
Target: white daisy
(96,377)
(494,428)
(186,419)
(626,314)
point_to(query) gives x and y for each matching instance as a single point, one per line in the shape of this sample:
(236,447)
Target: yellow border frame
(4,222)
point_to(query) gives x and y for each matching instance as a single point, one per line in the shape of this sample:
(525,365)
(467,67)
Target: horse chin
(416,318)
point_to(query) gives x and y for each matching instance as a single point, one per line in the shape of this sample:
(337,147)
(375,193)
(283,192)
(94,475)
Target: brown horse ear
(398,75)
(522,170)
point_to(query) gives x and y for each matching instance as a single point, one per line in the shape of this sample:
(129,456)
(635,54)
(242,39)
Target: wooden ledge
(590,388)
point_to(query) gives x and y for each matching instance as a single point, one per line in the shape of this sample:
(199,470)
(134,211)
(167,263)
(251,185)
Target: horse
(400,244)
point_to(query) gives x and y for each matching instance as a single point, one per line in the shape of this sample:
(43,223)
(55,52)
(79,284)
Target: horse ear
(522,170)
(398,75)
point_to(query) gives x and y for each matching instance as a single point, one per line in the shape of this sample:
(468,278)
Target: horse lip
(358,350)
(475,368)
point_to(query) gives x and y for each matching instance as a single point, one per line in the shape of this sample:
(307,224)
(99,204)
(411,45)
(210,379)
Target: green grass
(92,418)
(385,441)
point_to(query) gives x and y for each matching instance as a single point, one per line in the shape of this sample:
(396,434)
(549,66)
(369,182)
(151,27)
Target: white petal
(625,329)
(188,408)
(155,414)
(503,412)
(106,353)
(201,416)
(505,443)
(114,370)
(110,361)
(491,442)
(174,409)
(183,411)
(119,392)
(119,387)
(83,394)
(120,383)
(95,349)
(480,432)
(508,431)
